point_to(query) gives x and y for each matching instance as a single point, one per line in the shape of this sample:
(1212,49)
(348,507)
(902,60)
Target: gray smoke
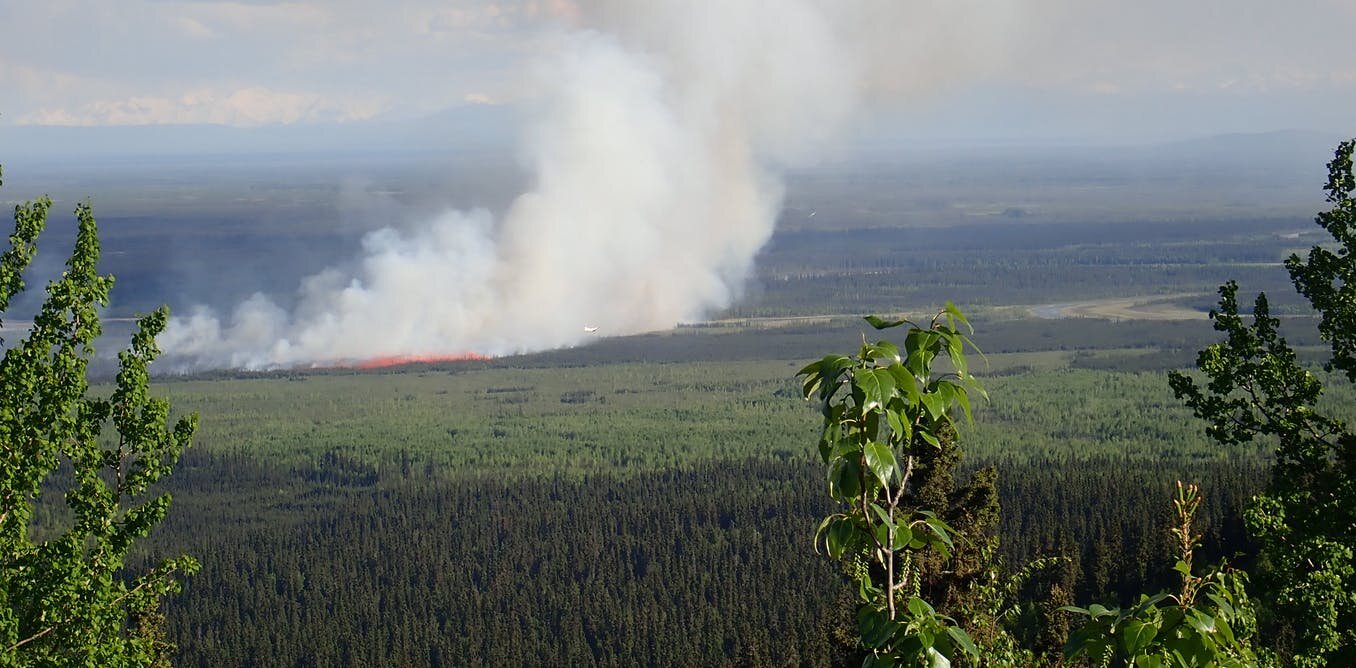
(661,131)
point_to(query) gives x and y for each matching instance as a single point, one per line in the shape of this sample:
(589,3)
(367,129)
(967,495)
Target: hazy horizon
(640,155)
(179,72)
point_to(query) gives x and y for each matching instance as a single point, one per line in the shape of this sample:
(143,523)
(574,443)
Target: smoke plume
(654,158)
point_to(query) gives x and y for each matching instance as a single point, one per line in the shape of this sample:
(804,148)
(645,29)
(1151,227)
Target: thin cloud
(421,56)
(479,98)
(244,107)
(191,27)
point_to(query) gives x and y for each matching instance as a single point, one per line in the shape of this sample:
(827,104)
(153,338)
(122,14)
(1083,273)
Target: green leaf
(898,420)
(963,399)
(1147,602)
(831,364)
(870,424)
(820,536)
(882,513)
(881,661)
(1222,604)
(1225,632)
(875,626)
(930,342)
(1148,661)
(811,384)
(935,405)
(881,351)
(832,367)
(936,659)
(1202,622)
(879,323)
(845,479)
(946,391)
(880,459)
(1136,635)
(920,608)
(906,383)
(866,591)
(838,537)
(828,439)
(882,534)
(903,536)
(815,373)
(970,342)
(927,436)
(1172,617)
(822,376)
(919,360)
(963,639)
(955,349)
(956,315)
(844,448)
(876,386)
(943,534)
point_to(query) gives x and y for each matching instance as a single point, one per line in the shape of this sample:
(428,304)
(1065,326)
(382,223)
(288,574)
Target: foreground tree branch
(65,599)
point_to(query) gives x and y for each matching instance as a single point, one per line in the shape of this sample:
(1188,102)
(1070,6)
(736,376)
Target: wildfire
(400,360)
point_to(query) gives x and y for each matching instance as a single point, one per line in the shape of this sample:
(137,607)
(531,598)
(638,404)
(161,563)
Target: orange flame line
(400,360)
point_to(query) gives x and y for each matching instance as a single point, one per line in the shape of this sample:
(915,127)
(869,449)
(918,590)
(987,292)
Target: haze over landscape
(497,322)
(651,139)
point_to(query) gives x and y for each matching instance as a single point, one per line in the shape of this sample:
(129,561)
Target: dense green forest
(648,499)
(652,499)
(562,506)
(708,564)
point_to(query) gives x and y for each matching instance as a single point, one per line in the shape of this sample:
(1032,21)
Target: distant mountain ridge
(478,127)
(468,127)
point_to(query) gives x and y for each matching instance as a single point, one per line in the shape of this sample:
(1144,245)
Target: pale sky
(994,67)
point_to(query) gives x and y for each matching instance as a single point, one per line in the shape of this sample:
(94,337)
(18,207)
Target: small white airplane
(590,330)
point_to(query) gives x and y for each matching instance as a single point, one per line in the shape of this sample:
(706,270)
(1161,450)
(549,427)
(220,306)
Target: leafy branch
(883,407)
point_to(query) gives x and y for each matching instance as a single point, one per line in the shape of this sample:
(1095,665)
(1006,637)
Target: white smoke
(654,160)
